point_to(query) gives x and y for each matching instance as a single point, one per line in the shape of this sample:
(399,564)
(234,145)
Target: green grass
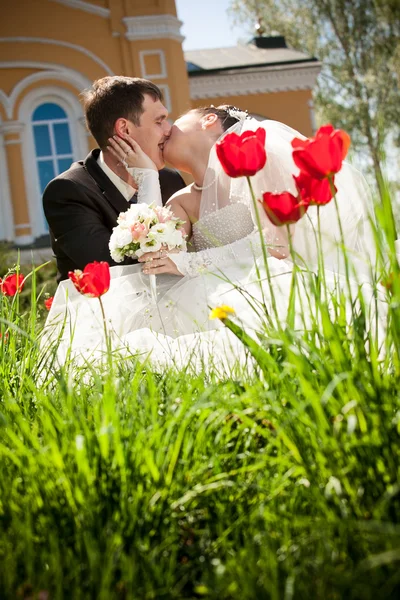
(281,484)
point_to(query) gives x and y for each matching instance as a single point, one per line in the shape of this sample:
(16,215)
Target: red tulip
(314,191)
(12,284)
(48,302)
(283,209)
(94,281)
(321,156)
(6,336)
(242,155)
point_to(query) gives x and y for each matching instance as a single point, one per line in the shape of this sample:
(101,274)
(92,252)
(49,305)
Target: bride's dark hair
(223,113)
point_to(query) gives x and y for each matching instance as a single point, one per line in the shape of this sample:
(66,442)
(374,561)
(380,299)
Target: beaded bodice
(225,226)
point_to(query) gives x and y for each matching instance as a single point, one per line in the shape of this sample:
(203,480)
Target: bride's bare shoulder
(180,194)
(183,198)
(184,205)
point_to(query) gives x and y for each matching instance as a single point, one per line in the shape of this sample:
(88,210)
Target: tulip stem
(108,341)
(333,190)
(292,296)
(264,252)
(321,262)
(346,261)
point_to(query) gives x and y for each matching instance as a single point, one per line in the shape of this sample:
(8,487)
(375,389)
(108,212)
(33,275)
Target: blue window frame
(53,146)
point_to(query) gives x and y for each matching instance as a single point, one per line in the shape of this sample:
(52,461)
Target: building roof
(265,65)
(242,56)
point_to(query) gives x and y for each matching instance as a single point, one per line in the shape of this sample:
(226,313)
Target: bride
(224,264)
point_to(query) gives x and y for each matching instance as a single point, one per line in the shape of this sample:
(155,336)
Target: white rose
(168,231)
(139,212)
(150,245)
(115,252)
(175,239)
(120,237)
(116,256)
(159,232)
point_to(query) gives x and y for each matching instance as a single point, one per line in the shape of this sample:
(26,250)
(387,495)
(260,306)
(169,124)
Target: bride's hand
(156,263)
(129,153)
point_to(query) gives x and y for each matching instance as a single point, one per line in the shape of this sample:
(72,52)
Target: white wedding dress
(225,266)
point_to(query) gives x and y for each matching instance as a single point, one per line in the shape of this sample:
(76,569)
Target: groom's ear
(123,126)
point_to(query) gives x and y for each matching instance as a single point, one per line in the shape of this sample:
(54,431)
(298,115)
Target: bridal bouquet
(146,228)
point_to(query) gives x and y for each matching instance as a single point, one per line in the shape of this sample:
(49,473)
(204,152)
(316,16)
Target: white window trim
(313,118)
(57,72)
(254,80)
(73,109)
(62,43)
(167,96)
(150,27)
(6,211)
(4,101)
(86,7)
(163,64)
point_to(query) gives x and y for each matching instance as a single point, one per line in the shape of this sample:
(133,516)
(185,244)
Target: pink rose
(138,231)
(163,214)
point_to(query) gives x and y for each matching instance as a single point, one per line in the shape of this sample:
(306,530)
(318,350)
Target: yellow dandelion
(222,312)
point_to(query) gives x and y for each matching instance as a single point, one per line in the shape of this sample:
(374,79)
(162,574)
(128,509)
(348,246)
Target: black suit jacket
(81,208)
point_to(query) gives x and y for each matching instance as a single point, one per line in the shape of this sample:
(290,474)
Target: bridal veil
(344,223)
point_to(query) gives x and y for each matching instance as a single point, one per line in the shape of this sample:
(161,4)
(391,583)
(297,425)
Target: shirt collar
(124,188)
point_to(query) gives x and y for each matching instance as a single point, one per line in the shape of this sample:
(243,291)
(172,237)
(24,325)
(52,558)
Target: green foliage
(358,42)
(45,279)
(282,482)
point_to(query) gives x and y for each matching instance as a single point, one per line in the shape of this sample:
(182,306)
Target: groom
(82,204)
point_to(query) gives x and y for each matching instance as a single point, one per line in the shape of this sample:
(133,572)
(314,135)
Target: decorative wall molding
(22,226)
(24,240)
(163,65)
(38,40)
(313,119)
(254,81)
(59,73)
(31,64)
(6,211)
(166,95)
(3,100)
(153,27)
(82,123)
(86,7)
(11,127)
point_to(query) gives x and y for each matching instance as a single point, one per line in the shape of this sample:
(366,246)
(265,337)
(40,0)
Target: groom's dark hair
(112,98)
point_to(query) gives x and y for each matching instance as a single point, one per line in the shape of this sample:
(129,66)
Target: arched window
(52,137)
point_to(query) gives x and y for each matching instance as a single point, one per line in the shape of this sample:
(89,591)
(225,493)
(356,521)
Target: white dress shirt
(147,181)
(125,188)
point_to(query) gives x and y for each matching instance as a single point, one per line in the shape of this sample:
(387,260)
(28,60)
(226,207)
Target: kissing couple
(225,260)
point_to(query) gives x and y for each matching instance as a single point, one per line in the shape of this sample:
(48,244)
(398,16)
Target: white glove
(148,183)
(192,264)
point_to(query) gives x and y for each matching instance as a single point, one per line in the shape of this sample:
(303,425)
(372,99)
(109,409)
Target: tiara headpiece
(236,113)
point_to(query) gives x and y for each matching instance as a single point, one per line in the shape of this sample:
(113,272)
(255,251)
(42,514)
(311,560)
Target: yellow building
(50,50)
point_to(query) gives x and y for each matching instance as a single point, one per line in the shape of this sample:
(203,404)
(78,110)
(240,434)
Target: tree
(358,42)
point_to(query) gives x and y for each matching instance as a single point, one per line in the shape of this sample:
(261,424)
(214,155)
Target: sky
(207,25)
